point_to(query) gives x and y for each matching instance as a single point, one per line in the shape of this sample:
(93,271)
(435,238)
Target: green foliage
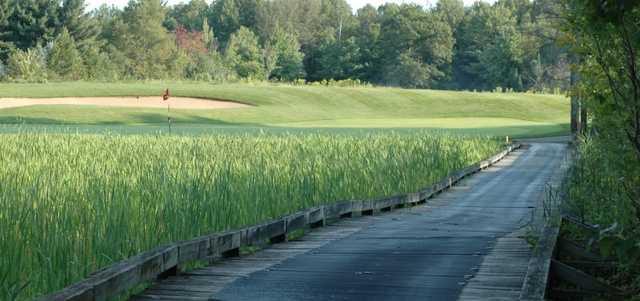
(410,72)
(82,27)
(419,35)
(228,16)
(491,53)
(27,65)
(64,58)
(333,59)
(287,58)
(208,37)
(31,23)
(143,41)
(98,65)
(451,12)
(510,44)
(602,189)
(244,54)
(6,10)
(605,183)
(367,36)
(121,195)
(190,15)
(210,67)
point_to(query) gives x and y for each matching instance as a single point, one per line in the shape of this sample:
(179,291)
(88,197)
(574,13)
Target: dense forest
(511,44)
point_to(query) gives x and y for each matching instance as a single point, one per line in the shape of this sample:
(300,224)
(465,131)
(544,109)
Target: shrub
(27,65)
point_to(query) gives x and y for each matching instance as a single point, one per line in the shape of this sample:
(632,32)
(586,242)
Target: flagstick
(169,114)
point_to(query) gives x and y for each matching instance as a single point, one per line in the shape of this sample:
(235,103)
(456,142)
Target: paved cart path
(465,244)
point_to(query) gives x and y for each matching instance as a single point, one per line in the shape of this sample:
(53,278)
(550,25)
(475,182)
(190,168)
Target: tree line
(511,44)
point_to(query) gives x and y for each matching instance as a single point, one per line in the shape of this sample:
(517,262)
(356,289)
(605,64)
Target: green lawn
(284,107)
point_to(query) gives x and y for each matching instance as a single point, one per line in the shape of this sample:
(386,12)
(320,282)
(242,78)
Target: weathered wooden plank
(228,243)
(576,294)
(356,206)
(587,265)
(581,224)
(194,249)
(316,217)
(272,229)
(574,250)
(148,297)
(197,281)
(426,193)
(412,198)
(296,221)
(179,293)
(368,207)
(249,236)
(190,287)
(121,276)
(385,204)
(536,279)
(336,210)
(581,279)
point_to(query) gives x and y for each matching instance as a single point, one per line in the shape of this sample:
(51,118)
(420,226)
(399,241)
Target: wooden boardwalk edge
(122,276)
(535,283)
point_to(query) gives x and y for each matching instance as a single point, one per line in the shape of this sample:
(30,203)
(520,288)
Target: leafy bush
(209,67)
(28,65)
(99,65)
(601,190)
(244,54)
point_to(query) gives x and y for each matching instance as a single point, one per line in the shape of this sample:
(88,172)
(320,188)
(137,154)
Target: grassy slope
(292,107)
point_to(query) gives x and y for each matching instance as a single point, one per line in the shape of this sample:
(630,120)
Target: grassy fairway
(278,106)
(70,204)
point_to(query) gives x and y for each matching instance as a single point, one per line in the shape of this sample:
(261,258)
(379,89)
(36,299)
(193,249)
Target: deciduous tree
(143,40)
(244,54)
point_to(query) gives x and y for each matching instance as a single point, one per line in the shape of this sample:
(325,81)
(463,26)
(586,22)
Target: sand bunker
(126,102)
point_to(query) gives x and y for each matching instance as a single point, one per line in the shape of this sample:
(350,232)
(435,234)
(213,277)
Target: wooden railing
(165,260)
(546,266)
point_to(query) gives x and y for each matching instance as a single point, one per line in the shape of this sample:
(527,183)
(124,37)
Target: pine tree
(81,27)
(33,22)
(6,9)
(64,57)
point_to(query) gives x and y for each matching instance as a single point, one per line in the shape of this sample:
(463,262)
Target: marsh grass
(71,204)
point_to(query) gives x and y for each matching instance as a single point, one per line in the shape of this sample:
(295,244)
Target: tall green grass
(71,204)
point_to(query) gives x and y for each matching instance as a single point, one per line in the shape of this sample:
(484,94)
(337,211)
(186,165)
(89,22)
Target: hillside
(302,107)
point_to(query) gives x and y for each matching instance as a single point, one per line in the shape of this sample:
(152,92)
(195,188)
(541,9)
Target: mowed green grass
(73,203)
(284,106)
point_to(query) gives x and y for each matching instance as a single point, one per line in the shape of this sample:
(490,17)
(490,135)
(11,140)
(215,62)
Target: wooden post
(583,118)
(575,106)
(166,97)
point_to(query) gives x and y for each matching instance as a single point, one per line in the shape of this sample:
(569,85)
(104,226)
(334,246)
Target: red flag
(165,96)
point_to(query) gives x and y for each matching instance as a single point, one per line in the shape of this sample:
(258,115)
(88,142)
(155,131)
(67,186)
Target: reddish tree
(190,41)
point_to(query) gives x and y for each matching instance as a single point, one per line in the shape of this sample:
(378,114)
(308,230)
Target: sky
(355,4)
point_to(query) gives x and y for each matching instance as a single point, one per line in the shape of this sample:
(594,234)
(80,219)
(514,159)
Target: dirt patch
(125,102)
